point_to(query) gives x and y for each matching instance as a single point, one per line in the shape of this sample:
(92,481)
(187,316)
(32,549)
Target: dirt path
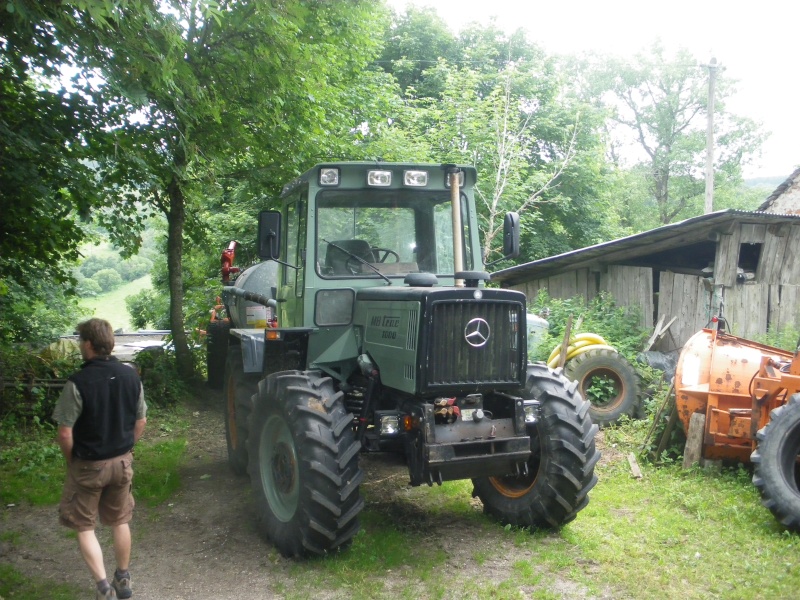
(204,544)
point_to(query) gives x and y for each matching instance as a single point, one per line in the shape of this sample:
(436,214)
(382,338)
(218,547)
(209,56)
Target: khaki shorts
(97,487)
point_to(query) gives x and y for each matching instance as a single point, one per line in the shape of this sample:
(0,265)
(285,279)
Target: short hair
(99,334)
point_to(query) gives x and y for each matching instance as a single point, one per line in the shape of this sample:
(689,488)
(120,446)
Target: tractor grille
(453,361)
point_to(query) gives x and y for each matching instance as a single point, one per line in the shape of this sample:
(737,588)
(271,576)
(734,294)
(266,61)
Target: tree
(48,140)
(501,106)
(662,103)
(192,93)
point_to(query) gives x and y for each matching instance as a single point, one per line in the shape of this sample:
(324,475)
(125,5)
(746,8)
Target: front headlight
(531,413)
(390,425)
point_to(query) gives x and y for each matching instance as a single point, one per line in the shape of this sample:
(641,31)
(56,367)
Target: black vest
(110,393)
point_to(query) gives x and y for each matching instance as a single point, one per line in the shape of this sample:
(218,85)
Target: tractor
(368,327)
(743,399)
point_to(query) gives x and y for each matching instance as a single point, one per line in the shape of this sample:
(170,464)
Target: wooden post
(562,356)
(694,440)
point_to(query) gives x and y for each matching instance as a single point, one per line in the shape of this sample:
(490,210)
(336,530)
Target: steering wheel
(381,254)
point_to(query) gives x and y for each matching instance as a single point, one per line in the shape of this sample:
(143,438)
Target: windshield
(392,232)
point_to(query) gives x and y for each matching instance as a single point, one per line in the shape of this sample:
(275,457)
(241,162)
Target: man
(101,414)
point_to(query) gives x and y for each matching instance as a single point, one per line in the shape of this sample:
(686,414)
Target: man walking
(101,414)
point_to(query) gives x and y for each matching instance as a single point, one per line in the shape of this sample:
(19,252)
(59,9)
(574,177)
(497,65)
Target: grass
(111,306)
(671,534)
(14,585)
(32,471)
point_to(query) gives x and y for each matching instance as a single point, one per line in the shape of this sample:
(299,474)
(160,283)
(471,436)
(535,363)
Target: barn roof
(780,190)
(689,245)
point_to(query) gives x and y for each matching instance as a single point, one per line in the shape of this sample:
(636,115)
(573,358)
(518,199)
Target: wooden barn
(743,265)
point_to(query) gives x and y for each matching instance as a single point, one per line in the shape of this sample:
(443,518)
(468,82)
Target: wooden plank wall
(746,308)
(771,300)
(580,282)
(784,306)
(689,299)
(631,286)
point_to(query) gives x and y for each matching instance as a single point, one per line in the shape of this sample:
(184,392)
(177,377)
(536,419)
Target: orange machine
(749,395)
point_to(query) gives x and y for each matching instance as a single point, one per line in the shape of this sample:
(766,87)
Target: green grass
(14,585)
(671,534)
(32,468)
(111,306)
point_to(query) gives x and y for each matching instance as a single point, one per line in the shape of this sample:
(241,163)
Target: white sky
(756,42)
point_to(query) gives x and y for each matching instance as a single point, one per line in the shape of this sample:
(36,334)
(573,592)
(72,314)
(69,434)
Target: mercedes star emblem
(477,332)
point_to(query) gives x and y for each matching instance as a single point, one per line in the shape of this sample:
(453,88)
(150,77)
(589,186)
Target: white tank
(259,279)
(537,328)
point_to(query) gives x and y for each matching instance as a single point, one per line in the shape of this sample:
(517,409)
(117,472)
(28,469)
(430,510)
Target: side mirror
(511,235)
(269,235)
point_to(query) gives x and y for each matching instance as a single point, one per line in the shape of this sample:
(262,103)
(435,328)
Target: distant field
(111,306)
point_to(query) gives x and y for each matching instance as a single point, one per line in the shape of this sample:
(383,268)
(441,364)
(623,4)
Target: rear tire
(777,471)
(238,394)
(608,381)
(217,334)
(561,466)
(304,464)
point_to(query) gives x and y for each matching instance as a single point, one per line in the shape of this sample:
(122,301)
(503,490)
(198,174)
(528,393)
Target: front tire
(777,471)
(304,464)
(561,466)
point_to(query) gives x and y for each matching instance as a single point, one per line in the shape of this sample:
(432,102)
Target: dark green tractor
(369,328)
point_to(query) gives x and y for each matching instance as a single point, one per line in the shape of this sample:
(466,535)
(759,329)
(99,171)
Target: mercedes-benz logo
(477,332)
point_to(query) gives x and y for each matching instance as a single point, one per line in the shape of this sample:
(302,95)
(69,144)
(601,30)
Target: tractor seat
(336,259)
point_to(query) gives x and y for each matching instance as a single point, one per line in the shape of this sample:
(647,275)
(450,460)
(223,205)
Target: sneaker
(108,594)
(122,585)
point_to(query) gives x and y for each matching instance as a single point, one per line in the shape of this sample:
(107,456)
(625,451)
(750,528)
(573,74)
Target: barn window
(749,255)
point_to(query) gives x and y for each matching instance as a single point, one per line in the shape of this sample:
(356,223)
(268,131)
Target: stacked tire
(608,381)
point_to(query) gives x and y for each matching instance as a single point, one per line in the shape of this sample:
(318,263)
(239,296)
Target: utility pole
(712,75)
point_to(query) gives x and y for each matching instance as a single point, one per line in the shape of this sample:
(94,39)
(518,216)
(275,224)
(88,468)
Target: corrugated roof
(668,237)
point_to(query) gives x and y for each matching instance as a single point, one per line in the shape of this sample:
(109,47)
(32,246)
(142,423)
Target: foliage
(496,101)
(159,373)
(35,311)
(617,324)
(786,338)
(107,279)
(31,464)
(88,288)
(148,308)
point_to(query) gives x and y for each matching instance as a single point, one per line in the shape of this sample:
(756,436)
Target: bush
(33,396)
(88,288)
(148,307)
(134,268)
(617,324)
(107,279)
(162,385)
(94,263)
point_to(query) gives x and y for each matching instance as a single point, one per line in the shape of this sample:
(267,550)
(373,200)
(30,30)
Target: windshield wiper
(359,259)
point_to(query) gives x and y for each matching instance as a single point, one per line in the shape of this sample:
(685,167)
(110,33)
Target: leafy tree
(193,93)
(36,312)
(503,108)
(88,288)
(662,103)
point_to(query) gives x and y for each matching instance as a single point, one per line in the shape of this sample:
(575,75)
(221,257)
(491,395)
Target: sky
(756,43)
